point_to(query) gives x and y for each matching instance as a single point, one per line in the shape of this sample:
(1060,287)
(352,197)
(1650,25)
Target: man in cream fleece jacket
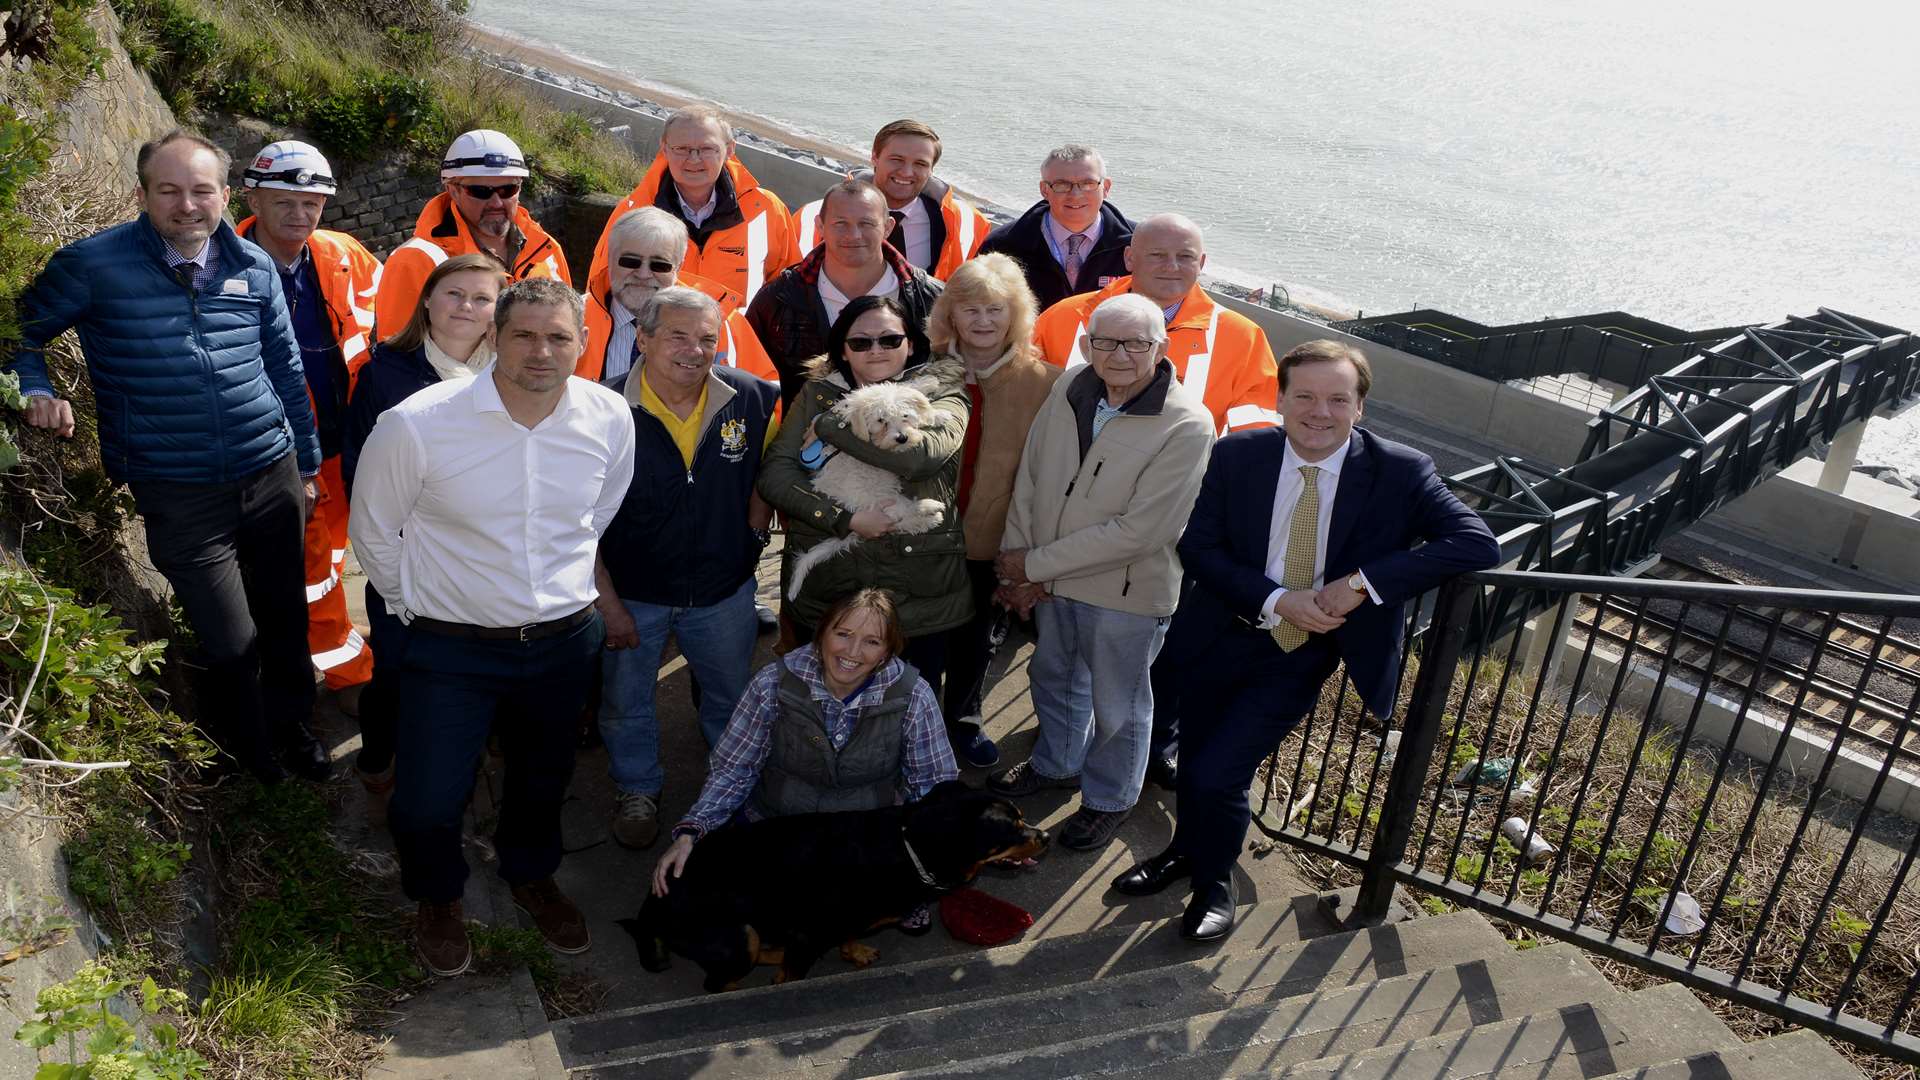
(1110,471)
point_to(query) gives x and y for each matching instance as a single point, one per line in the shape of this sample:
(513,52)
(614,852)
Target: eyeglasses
(704,153)
(1134,346)
(656,264)
(885,341)
(1074,187)
(484,192)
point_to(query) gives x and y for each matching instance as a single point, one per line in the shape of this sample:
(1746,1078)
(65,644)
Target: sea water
(1701,162)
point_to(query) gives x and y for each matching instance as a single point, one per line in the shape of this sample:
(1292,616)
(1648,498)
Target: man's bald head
(1165,258)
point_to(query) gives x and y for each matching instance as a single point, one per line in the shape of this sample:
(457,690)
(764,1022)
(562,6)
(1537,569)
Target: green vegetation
(366,79)
(77,1015)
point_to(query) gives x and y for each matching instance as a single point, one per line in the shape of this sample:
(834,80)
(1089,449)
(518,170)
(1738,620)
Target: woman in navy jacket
(450,336)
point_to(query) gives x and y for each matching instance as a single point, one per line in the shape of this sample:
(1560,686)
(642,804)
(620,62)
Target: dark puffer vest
(804,774)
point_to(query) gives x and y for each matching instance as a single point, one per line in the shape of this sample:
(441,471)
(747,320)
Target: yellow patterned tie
(1303,540)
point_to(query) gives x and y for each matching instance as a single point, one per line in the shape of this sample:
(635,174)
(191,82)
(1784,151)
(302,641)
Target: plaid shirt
(205,265)
(926,758)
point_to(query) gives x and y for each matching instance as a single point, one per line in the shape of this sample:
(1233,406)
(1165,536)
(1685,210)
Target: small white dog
(891,416)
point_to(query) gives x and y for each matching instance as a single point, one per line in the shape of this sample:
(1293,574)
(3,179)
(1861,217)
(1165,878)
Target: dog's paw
(858,954)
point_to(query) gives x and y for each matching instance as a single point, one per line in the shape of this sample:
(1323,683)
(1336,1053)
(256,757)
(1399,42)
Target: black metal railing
(1695,822)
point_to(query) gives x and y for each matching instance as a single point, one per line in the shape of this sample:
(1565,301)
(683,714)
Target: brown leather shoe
(440,933)
(559,921)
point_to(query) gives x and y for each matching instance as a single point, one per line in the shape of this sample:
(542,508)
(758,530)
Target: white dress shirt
(460,514)
(1286,496)
(833,299)
(918,232)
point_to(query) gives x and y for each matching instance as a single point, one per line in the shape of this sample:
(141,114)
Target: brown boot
(440,933)
(379,788)
(559,921)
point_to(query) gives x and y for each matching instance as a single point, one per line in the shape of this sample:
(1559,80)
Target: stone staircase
(1287,995)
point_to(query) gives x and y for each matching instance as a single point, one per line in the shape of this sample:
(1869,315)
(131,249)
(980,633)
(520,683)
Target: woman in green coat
(924,573)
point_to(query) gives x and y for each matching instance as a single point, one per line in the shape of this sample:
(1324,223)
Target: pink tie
(1072,265)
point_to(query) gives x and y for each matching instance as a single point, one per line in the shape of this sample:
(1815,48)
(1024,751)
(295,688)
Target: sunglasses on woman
(655,264)
(885,341)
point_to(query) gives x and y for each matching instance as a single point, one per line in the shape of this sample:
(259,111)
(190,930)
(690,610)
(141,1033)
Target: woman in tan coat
(985,320)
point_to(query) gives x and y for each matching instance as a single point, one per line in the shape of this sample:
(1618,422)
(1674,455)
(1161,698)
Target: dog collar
(918,867)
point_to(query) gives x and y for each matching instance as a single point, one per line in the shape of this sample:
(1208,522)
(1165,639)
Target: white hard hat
(483,152)
(290,166)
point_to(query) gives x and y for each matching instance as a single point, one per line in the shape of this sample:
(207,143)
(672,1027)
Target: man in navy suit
(1303,547)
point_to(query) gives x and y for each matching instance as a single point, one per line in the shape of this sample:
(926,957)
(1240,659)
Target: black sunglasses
(885,341)
(635,262)
(488,191)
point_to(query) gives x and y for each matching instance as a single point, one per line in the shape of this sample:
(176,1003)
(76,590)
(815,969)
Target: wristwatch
(1356,582)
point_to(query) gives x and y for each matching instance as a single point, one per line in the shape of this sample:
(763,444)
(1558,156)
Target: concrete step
(999,1025)
(1610,1034)
(1801,1055)
(1308,1027)
(885,989)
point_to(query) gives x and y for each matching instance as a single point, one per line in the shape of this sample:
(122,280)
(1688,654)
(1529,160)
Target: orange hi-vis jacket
(349,278)
(739,345)
(966,226)
(439,235)
(1221,355)
(747,245)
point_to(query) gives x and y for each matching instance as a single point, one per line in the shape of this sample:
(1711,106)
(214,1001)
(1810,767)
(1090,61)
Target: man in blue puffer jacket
(204,415)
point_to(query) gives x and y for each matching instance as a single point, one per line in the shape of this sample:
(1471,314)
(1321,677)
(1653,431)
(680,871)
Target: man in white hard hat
(329,281)
(480,210)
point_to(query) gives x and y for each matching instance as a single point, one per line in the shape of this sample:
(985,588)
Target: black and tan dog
(785,890)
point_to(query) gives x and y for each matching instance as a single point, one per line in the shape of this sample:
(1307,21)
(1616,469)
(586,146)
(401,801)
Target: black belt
(529,632)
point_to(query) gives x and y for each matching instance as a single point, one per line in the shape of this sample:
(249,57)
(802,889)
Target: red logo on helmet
(262,161)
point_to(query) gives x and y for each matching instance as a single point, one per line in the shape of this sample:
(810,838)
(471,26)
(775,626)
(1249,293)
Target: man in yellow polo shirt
(679,557)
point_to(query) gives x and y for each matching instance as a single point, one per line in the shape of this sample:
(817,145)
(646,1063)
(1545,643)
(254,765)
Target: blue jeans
(450,690)
(1093,698)
(717,641)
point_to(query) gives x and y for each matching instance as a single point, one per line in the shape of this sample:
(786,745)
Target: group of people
(547,486)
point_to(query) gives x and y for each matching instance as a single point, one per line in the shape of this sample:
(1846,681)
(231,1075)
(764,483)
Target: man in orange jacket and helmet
(737,230)
(1219,355)
(930,224)
(484,173)
(330,282)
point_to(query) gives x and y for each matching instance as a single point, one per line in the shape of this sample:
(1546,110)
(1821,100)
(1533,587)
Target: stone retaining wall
(377,204)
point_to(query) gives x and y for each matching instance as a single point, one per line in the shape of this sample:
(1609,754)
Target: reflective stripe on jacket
(741,254)
(1220,355)
(439,235)
(966,229)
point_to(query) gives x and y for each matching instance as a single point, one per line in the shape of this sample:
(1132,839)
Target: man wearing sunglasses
(646,248)
(930,223)
(484,172)
(737,230)
(329,281)
(1073,240)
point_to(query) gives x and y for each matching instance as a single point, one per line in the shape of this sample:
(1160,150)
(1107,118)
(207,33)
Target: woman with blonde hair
(984,320)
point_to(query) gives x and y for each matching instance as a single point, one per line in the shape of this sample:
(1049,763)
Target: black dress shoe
(1153,875)
(308,760)
(1209,914)
(1164,771)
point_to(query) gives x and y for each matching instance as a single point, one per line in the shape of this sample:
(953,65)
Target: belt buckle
(524,627)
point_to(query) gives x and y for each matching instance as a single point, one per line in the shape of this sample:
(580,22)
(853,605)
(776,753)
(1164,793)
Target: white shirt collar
(914,212)
(621,316)
(486,398)
(1330,465)
(888,284)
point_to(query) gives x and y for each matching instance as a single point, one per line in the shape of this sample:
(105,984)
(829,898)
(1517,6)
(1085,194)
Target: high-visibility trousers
(339,652)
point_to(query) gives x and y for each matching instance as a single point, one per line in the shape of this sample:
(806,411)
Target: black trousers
(1236,710)
(234,556)
(450,690)
(971,648)
(380,701)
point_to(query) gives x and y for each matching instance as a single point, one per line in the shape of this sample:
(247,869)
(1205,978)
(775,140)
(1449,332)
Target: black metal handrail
(1582,788)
